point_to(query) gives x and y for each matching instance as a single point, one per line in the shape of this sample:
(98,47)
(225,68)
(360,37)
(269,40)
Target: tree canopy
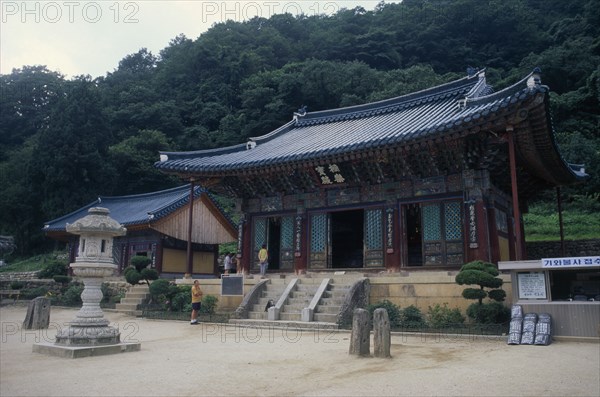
(64,141)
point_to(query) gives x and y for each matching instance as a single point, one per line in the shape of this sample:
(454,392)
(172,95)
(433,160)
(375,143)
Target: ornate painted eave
(455,126)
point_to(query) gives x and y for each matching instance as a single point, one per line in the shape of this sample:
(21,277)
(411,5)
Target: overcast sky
(91,37)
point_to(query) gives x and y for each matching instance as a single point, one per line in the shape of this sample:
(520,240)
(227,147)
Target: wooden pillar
(300,243)
(159,255)
(246,257)
(515,192)
(392,239)
(190,253)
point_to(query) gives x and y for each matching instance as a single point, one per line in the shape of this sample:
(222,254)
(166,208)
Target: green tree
(484,275)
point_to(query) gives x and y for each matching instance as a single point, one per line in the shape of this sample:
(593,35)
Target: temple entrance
(414,244)
(274,242)
(347,236)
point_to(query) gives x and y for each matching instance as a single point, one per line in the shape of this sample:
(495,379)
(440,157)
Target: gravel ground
(177,359)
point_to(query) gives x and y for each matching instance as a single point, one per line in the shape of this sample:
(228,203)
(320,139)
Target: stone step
(257,315)
(135,313)
(285,316)
(328,309)
(131,301)
(126,307)
(284,324)
(325,317)
(302,294)
(331,301)
(137,294)
(293,308)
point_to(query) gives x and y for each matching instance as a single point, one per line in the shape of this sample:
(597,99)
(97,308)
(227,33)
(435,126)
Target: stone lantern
(94,262)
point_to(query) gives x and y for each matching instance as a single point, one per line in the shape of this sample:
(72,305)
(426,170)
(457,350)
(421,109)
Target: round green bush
(209,304)
(140,262)
(413,318)
(149,274)
(444,317)
(72,296)
(179,301)
(159,287)
(394,312)
(489,313)
(53,268)
(17,285)
(32,293)
(133,277)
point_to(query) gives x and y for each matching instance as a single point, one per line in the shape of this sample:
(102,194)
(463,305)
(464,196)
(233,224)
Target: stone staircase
(331,303)
(273,291)
(299,299)
(325,314)
(134,297)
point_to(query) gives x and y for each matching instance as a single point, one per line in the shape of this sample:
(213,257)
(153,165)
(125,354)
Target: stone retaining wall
(18,276)
(552,249)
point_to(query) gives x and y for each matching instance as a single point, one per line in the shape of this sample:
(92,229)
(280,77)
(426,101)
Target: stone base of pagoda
(88,336)
(52,349)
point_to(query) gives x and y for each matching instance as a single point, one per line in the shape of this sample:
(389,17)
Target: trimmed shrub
(182,299)
(209,304)
(393,310)
(489,313)
(413,318)
(72,296)
(140,262)
(53,268)
(17,285)
(132,276)
(444,317)
(149,275)
(32,293)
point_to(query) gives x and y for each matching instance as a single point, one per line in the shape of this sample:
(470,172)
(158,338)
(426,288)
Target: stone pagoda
(89,333)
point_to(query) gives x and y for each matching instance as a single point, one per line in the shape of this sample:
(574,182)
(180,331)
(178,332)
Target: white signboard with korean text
(532,285)
(579,261)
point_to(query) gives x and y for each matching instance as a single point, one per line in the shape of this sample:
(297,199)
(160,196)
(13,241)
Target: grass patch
(32,264)
(581,218)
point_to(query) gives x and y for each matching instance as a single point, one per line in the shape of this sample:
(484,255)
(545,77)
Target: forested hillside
(64,141)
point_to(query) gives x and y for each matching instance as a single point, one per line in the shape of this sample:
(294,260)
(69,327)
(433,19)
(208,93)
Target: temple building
(428,180)
(157,227)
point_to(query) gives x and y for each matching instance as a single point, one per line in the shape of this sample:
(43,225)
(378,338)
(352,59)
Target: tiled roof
(134,209)
(398,121)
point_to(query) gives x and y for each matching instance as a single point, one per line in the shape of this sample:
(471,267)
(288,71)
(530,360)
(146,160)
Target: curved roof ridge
(519,86)
(390,103)
(267,137)
(179,200)
(202,153)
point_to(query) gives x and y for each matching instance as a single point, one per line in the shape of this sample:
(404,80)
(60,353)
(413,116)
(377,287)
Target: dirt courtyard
(177,359)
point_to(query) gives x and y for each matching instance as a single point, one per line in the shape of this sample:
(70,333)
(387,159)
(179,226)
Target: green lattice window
(431,223)
(260,233)
(453,218)
(318,232)
(374,232)
(287,232)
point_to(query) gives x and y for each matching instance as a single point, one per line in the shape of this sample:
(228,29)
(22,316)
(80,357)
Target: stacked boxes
(529,329)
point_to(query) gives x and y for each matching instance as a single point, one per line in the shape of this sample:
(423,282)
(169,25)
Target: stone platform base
(52,349)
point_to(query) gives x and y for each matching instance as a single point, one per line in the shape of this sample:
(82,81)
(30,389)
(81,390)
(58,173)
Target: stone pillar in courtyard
(382,338)
(360,339)
(89,333)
